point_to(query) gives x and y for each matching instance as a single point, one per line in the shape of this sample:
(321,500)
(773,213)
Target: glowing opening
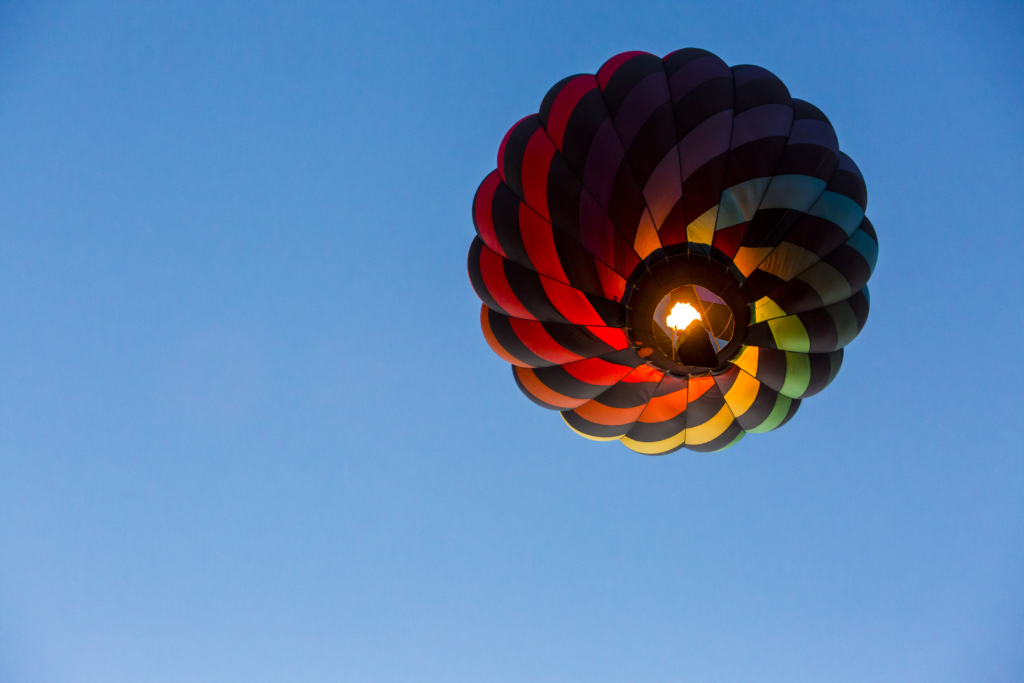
(681,316)
(679,339)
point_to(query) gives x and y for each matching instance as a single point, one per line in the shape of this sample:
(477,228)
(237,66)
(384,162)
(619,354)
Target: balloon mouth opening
(687,315)
(692,325)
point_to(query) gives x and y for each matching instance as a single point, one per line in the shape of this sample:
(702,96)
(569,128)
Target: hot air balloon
(672,252)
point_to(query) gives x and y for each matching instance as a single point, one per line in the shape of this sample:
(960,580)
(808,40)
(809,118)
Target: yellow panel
(790,334)
(788,260)
(742,393)
(646,240)
(588,436)
(748,258)
(747,360)
(711,429)
(702,229)
(766,309)
(655,447)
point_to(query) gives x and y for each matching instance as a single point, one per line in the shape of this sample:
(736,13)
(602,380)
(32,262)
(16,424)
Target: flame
(681,316)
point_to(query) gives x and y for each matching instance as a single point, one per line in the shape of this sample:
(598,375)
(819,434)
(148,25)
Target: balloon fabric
(660,183)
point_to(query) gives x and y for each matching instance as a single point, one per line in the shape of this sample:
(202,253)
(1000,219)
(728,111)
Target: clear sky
(250,429)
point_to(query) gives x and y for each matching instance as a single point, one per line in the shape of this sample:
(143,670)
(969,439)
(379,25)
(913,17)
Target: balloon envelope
(659,182)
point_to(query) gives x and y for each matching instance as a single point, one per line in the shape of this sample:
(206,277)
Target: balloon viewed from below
(672,253)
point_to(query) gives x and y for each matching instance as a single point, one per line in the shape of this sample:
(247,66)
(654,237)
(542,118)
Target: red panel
(571,303)
(492,268)
(728,240)
(540,244)
(536,338)
(625,258)
(565,102)
(601,239)
(482,212)
(673,228)
(605,73)
(597,371)
(501,148)
(612,336)
(597,230)
(613,284)
(536,162)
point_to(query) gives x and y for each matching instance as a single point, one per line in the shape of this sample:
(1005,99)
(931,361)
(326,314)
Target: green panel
(732,443)
(775,418)
(830,284)
(835,360)
(790,334)
(839,209)
(798,375)
(845,321)
(739,202)
(797,192)
(868,248)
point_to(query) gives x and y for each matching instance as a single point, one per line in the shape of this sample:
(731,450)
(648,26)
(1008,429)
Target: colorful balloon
(672,252)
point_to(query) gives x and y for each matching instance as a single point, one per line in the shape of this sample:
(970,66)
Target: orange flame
(681,316)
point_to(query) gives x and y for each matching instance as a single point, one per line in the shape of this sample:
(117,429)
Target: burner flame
(681,316)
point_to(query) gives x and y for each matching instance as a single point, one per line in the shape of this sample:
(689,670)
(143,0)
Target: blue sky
(250,430)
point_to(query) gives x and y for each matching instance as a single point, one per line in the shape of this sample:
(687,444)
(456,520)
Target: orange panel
(644,373)
(661,408)
(492,341)
(544,393)
(603,415)
(698,385)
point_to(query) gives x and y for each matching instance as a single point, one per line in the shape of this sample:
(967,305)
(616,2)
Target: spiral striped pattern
(653,159)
